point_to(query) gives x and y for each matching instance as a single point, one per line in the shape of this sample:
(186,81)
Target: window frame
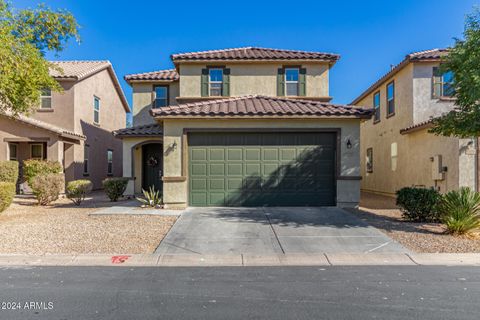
(167,98)
(390,114)
(441,84)
(10,145)
(96,110)
(41,151)
(377,109)
(86,160)
(43,97)
(215,82)
(297,82)
(369,160)
(109,162)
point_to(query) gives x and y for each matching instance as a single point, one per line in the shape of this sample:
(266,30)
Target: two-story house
(396,148)
(74,126)
(243,127)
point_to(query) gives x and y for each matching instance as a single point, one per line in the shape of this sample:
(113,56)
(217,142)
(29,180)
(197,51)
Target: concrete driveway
(267,231)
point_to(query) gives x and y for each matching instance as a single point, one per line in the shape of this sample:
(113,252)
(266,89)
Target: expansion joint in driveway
(273,230)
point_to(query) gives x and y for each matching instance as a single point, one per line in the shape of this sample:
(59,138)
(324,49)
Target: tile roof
(163,75)
(78,70)
(255,53)
(261,106)
(416,127)
(427,55)
(46,126)
(140,131)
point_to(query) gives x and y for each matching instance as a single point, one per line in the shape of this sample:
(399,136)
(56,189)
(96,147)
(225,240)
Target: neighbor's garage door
(261,169)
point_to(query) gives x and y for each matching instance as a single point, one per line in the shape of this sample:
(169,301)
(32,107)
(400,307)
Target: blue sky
(139,36)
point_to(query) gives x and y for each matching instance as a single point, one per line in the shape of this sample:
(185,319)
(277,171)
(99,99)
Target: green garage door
(261,169)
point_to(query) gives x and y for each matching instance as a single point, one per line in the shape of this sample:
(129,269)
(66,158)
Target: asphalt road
(241,293)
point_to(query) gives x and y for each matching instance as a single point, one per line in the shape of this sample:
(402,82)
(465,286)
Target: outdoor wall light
(173,145)
(349,144)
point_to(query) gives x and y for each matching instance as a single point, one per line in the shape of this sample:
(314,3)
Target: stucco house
(243,127)
(74,126)
(396,148)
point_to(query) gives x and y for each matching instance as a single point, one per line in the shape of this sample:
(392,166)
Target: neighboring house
(73,127)
(396,148)
(243,127)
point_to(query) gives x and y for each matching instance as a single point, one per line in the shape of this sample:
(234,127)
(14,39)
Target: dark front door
(152,166)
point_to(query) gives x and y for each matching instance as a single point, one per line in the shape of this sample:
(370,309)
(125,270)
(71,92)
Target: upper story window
(390,99)
(96,110)
(376,106)
(46,98)
(291,81)
(215,82)
(442,83)
(161,96)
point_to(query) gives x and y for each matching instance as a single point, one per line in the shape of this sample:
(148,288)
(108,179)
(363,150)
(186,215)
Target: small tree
(464,61)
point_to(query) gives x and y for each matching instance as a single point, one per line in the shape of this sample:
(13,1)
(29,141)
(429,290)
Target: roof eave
(207,116)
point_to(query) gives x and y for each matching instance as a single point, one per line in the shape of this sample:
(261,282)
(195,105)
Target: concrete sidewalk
(241,260)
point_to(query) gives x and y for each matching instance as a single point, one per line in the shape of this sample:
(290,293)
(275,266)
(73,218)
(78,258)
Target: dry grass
(63,228)
(381,212)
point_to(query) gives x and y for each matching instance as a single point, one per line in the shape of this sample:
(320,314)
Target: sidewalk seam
(273,230)
(328,260)
(418,264)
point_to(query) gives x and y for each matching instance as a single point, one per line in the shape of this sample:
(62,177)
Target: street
(391,292)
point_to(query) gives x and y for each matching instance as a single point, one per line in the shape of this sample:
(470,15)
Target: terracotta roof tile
(416,127)
(140,131)
(261,106)
(163,75)
(255,53)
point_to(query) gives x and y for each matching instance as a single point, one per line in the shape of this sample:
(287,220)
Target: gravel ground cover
(63,228)
(381,212)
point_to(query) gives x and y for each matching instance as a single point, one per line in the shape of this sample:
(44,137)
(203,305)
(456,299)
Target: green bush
(115,187)
(7,192)
(47,187)
(460,211)
(419,204)
(33,168)
(77,190)
(9,171)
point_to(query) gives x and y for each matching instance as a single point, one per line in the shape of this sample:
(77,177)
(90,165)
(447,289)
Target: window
(369,160)
(12,150)
(442,83)
(46,98)
(394,156)
(215,82)
(376,106)
(390,99)
(161,96)
(36,151)
(86,151)
(109,162)
(291,81)
(96,110)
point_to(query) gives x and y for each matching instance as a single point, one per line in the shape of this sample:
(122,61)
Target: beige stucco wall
(142,100)
(254,78)
(175,193)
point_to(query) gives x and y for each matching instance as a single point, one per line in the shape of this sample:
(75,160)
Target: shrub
(77,190)
(460,211)
(33,168)
(418,204)
(47,187)
(7,192)
(115,187)
(9,171)
(152,198)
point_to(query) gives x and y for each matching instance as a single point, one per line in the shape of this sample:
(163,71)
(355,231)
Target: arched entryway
(152,166)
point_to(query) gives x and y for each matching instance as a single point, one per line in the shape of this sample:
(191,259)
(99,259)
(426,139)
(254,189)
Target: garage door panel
(217,169)
(217,185)
(198,184)
(252,154)
(253,169)
(234,154)
(199,169)
(217,154)
(235,169)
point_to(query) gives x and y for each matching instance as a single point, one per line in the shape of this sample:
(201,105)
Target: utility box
(438,172)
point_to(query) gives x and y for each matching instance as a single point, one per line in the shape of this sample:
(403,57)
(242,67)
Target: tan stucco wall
(175,193)
(413,165)
(142,100)
(252,78)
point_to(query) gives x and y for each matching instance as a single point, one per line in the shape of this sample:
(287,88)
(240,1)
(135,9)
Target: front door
(152,166)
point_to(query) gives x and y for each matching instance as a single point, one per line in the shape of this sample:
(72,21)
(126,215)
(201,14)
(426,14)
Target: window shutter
(281,82)
(436,83)
(226,83)
(302,82)
(204,83)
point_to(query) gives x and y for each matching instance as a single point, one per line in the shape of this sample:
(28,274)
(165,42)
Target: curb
(243,260)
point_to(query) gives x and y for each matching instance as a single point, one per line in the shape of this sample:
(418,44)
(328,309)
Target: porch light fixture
(173,146)
(349,144)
